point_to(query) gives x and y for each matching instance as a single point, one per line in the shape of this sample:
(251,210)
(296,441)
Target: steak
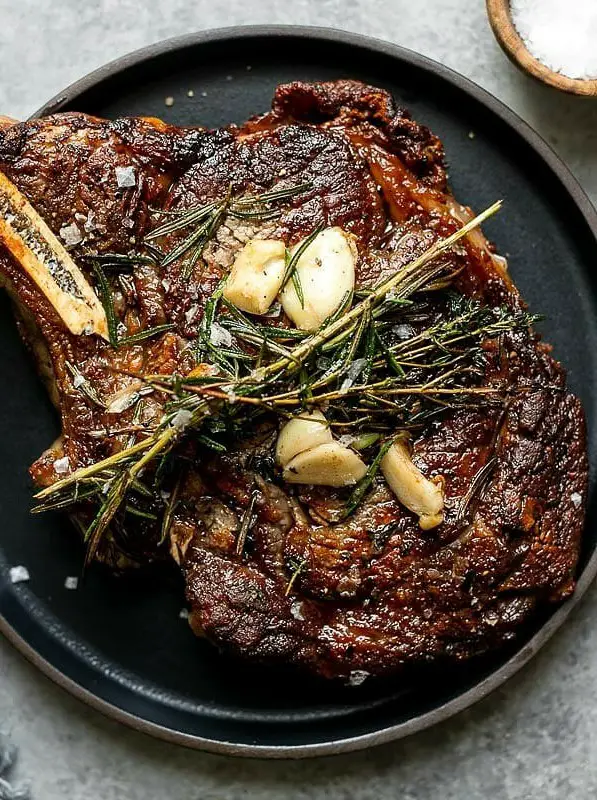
(342,596)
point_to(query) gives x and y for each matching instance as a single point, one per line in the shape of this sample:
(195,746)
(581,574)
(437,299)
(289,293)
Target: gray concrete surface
(536,739)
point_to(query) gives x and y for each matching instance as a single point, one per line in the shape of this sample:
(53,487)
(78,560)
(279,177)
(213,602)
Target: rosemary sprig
(343,364)
(408,280)
(107,300)
(203,221)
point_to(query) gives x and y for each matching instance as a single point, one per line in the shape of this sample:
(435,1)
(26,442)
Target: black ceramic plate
(120,644)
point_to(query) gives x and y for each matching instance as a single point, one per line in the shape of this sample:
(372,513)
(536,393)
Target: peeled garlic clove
(256,275)
(326,272)
(325,465)
(420,495)
(302,433)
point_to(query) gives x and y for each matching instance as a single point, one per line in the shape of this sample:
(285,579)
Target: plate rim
(546,631)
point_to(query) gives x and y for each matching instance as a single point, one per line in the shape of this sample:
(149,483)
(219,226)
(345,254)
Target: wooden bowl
(511,43)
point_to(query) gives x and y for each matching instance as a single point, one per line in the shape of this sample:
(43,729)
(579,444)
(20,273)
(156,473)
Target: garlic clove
(325,465)
(256,275)
(326,271)
(302,433)
(419,494)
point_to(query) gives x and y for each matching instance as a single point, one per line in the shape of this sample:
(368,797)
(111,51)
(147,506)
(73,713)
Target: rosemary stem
(162,441)
(94,469)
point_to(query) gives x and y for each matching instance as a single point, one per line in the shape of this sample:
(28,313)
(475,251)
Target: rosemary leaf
(273,195)
(83,385)
(370,342)
(298,287)
(138,512)
(211,443)
(364,441)
(105,295)
(245,524)
(199,244)
(292,259)
(182,220)
(104,516)
(363,486)
(123,261)
(170,509)
(135,338)
(294,576)
(390,358)
(195,239)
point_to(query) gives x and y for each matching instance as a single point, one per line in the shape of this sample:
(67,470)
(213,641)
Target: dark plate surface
(120,644)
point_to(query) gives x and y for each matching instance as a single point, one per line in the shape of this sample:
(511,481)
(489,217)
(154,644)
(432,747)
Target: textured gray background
(536,738)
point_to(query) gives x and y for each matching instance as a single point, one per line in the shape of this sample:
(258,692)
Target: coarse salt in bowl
(552,40)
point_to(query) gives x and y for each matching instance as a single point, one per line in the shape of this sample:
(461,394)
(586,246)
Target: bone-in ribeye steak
(342,597)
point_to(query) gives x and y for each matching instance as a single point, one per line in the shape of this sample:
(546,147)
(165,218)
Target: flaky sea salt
(230,394)
(71,235)
(576,499)
(296,609)
(191,313)
(89,223)
(183,613)
(61,466)
(71,582)
(18,574)
(125,177)
(181,419)
(220,336)
(353,372)
(357,677)
(402,332)
(562,34)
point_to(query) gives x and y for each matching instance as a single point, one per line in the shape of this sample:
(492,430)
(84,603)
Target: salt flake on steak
(71,235)
(18,574)
(61,466)
(125,177)
(220,336)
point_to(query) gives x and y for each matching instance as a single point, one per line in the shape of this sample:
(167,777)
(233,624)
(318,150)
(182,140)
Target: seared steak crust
(351,597)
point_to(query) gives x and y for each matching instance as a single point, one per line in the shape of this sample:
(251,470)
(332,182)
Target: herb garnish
(343,365)
(203,221)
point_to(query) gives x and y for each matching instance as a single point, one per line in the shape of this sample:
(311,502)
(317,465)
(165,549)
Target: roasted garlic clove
(419,494)
(256,275)
(326,272)
(305,431)
(325,465)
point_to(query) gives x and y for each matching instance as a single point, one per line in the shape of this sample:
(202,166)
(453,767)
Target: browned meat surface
(342,597)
